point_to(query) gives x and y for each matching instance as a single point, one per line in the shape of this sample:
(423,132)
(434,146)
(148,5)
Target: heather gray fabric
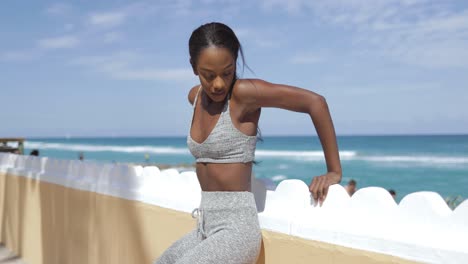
(228,232)
(225,144)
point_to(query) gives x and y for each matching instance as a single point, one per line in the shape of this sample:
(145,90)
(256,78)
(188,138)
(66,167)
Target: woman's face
(216,68)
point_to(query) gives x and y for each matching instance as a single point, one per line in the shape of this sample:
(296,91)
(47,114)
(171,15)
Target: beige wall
(50,224)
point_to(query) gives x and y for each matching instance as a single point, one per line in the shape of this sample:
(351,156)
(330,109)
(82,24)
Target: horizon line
(270,135)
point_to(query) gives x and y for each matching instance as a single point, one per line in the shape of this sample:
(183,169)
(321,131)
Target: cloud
(130,66)
(68,27)
(107,19)
(417,32)
(260,38)
(18,55)
(58,9)
(153,74)
(291,6)
(112,37)
(63,42)
(305,58)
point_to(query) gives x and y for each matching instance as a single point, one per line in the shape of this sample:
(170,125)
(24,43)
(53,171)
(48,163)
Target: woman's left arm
(258,93)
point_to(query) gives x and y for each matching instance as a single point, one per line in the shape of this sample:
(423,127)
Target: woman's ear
(193,67)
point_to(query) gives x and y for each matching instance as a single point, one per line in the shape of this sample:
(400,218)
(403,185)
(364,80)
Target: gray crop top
(225,143)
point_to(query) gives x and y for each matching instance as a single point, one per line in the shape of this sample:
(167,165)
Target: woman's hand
(319,186)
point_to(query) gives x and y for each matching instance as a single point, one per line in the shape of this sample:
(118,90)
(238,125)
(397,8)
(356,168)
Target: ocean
(405,164)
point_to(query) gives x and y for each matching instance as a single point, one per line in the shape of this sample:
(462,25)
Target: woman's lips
(218,94)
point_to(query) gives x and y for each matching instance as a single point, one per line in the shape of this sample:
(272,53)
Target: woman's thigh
(179,248)
(225,247)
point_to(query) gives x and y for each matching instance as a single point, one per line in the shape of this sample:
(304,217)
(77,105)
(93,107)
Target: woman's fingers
(323,195)
(313,188)
(316,188)
(319,188)
(322,189)
(325,191)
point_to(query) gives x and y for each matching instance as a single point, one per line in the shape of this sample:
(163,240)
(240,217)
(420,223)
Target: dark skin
(216,68)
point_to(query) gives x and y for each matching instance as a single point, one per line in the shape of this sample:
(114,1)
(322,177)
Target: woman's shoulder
(193,93)
(245,88)
(245,92)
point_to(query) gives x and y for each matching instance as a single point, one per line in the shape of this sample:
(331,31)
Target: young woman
(222,137)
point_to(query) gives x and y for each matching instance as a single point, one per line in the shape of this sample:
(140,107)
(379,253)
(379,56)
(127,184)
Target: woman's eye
(227,74)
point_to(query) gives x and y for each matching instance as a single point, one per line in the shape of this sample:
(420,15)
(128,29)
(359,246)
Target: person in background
(34,152)
(392,193)
(81,156)
(351,187)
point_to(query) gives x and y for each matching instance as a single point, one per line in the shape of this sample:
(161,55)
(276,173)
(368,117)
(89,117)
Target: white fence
(421,227)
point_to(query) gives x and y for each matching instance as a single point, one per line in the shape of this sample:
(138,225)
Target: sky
(121,68)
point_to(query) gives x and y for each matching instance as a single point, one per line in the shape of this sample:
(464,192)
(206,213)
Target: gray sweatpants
(228,232)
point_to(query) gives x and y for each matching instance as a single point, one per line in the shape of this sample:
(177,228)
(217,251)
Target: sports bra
(225,143)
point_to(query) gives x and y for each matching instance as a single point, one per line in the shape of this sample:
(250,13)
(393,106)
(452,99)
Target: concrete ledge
(47,223)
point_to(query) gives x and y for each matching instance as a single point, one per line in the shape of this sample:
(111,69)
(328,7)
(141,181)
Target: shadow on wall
(12,215)
(261,257)
(259,190)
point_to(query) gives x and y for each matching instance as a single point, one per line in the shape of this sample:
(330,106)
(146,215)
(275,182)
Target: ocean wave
(417,159)
(399,159)
(103,148)
(277,178)
(300,154)
(347,155)
(170,150)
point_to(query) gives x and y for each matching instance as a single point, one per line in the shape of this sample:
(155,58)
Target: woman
(222,138)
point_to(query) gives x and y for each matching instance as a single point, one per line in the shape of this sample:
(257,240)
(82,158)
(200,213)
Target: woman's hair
(218,35)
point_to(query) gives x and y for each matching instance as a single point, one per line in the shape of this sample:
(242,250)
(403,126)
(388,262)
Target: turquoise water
(403,163)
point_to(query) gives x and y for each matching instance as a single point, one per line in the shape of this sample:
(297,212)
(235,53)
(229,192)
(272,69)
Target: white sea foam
(300,154)
(102,148)
(347,155)
(397,159)
(417,159)
(277,178)
(170,150)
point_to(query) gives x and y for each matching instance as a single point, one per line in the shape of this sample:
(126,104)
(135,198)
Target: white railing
(421,227)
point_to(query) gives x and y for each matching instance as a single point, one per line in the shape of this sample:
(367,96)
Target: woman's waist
(223,177)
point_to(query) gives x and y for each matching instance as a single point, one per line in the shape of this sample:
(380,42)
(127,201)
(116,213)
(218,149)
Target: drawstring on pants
(198,214)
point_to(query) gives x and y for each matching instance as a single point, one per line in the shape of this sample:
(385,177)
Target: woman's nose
(218,84)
